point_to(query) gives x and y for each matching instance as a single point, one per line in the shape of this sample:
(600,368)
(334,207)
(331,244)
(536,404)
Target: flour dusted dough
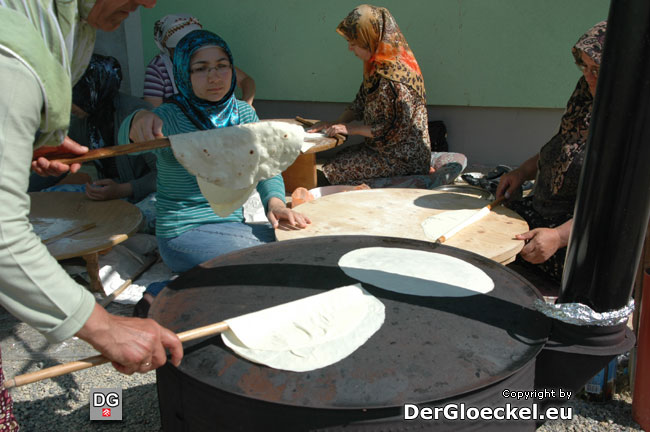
(414,272)
(307,334)
(236,158)
(222,200)
(440,224)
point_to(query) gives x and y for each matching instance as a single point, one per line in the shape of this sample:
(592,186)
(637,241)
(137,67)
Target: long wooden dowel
(89,362)
(71,231)
(470,220)
(106,152)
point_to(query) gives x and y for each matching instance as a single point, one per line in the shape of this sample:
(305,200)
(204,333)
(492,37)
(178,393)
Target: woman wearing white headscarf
(159,76)
(45,46)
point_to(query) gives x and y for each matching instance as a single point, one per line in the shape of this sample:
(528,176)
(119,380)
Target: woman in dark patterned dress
(390,102)
(549,211)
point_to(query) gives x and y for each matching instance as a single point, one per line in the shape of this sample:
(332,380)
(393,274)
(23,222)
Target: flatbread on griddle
(309,333)
(415,272)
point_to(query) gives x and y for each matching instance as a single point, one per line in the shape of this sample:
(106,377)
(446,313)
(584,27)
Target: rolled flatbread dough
(309,333)
(222,200)
(236,158)
(414,272)
(437,225)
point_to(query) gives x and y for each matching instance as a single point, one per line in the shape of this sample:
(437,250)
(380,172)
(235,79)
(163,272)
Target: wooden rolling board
(400,213)
(55,212)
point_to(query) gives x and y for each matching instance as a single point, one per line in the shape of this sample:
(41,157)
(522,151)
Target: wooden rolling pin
(470,220)
(106,152)
(97,360)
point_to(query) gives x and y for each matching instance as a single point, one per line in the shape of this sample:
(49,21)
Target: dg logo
(106,404)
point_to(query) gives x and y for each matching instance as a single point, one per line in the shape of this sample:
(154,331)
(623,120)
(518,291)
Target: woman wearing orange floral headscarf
(391,103)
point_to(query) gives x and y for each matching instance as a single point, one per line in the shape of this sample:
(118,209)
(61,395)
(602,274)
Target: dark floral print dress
(391,100)
(558,174)
(401,145)
(560,160)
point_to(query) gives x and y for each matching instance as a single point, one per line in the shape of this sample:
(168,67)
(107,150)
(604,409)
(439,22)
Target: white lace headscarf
(167,32)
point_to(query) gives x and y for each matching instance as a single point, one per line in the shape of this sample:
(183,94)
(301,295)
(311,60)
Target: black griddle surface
(428,349)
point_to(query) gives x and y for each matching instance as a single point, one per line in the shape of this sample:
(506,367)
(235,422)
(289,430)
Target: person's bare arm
(247,85)
(542,243)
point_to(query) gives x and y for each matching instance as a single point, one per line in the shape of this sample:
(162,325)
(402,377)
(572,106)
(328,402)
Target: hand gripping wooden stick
(470,220)
(86,363)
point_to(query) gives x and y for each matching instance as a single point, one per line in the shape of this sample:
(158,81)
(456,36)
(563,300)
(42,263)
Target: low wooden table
(303,171)
(400,213)
(53,213)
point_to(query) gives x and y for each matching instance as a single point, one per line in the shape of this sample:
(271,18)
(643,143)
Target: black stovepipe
(613,204)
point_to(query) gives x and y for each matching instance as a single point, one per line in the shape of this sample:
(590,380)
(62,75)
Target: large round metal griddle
(428,349)
(52,213)
(399,212)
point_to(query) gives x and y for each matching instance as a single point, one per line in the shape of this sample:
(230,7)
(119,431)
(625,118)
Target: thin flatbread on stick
(236,158)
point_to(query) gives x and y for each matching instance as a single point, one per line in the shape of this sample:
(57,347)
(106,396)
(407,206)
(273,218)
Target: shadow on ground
(139,407)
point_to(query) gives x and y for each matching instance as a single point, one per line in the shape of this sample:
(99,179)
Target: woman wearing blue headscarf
(187,229)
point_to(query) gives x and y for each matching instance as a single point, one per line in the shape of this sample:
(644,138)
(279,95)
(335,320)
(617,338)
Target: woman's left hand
(278,211)
(541,244)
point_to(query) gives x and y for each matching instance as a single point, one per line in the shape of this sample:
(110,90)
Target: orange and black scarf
(375,29)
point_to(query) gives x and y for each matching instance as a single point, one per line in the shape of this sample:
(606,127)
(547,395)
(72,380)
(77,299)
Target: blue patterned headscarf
(204,114)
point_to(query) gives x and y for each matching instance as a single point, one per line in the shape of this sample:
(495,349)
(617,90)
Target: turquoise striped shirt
(180,206)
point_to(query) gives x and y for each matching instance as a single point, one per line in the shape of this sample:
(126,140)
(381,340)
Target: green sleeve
(269,188)
(33,286)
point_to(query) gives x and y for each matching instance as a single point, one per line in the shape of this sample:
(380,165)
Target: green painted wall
(491,53)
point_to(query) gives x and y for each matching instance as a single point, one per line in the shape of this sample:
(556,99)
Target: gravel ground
(62,405)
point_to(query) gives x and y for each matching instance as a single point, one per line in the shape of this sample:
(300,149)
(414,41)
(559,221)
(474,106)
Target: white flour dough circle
(307,334)
(415,272)
(437,225)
